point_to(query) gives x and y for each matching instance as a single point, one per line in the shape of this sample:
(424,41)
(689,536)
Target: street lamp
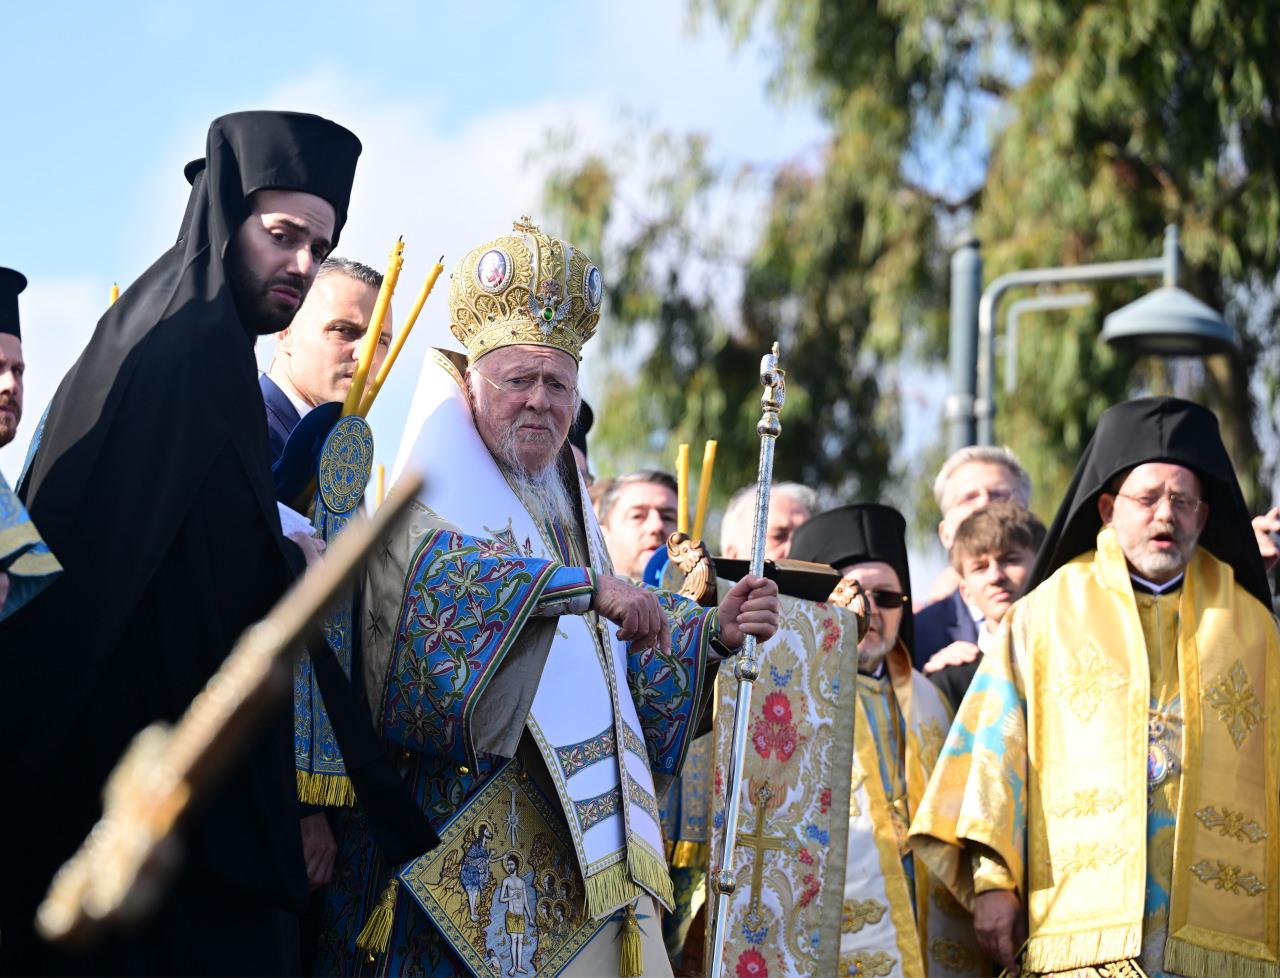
(1167,322)
(1171,323)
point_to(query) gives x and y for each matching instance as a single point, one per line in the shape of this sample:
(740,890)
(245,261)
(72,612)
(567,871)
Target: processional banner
(785,915)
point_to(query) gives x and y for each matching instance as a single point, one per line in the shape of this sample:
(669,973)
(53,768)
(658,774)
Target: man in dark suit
(993,551)
(314,361)
(316,355)
(969,480)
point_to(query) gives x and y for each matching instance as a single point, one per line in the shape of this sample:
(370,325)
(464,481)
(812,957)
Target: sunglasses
(885,598)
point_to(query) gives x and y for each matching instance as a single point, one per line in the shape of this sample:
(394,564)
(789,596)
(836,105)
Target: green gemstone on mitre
(547,314)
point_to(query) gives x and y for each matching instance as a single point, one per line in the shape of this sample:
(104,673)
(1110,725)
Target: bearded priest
(896,921)
(1107,798)
(538,702)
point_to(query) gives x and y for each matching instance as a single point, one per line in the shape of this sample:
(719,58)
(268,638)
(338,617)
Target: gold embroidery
(946,902)
(1089,801)
(952,955)
(1224,876)
(932,737)
(1089,855)
(760,843)
(1115,969)
(1231,824)
(1231,694)
(1121,969)
(1090,676)
(865,963)
(859,913)
(855,810)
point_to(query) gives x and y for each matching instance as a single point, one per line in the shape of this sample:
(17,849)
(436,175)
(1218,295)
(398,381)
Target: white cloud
(446,186)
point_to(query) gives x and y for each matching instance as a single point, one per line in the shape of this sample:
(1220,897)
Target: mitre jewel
(524,288)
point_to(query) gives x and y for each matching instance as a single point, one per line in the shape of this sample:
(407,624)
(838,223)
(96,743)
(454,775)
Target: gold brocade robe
(1043,782)
(898,921)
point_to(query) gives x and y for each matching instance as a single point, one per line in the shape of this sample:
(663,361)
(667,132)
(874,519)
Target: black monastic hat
(11,283)
(1157,429)
(251,151)
(855,535)
(581,425)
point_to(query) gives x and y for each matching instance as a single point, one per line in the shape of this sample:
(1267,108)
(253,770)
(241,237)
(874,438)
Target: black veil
(1157,429)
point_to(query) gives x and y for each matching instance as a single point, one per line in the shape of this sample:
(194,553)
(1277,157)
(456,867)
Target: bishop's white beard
(545,488)
(871,654)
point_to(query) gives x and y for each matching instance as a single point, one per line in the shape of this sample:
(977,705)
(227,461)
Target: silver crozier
(746,666)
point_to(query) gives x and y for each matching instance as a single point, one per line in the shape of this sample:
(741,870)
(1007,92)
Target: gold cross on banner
(760,842)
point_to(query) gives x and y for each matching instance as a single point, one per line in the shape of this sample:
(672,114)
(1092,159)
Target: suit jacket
(281,415)
(940,624)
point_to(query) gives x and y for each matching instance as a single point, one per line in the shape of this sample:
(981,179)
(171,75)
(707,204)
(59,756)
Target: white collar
(1155,588)
(286,388)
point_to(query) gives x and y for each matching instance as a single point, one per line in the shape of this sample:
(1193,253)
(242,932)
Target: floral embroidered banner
(786,913)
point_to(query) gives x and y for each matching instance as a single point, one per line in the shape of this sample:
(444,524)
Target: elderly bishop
(538,703)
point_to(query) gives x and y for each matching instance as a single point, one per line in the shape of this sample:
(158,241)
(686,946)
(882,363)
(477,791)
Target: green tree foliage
(1059,132)
(678,369)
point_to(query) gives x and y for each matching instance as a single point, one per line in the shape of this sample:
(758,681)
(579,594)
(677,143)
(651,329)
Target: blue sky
(107,101)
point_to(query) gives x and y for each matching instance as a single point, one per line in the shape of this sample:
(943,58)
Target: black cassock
(152,483)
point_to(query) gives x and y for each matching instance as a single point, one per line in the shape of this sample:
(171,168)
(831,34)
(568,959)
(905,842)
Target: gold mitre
(524,288)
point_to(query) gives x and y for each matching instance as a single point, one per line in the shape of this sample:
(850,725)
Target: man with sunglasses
(895,918)
(1107,799)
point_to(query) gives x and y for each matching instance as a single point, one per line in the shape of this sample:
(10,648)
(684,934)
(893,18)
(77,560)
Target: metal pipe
(966,284)
(1035,303)
(1162,267)
(746,666)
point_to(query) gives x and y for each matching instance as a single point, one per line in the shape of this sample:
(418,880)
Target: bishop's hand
(750,608)
(1000,926)
(635,610)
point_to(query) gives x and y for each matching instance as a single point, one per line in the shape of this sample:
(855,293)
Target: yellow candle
(704,488)
(371,335)
(115,293)
(380,485)
(403,335)
(682,488)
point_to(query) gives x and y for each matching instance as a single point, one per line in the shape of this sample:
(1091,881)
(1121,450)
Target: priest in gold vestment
(1107,798)
(898,922)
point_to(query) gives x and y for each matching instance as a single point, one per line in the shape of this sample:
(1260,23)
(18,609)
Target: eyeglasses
(992,496)
(1181,504)
(558,392)
(887,599)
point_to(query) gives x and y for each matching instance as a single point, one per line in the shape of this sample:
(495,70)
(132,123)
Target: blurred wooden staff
(121,870)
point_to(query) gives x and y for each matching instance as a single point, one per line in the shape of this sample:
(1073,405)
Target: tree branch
(950,206)
(992,85)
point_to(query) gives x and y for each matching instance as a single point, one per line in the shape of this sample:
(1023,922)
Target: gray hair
(609,498)
(337,265)
(741,508)
(991,455)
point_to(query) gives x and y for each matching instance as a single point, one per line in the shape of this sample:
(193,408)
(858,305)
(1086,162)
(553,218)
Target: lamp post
(1166,322)
(966,285)
(1035,303)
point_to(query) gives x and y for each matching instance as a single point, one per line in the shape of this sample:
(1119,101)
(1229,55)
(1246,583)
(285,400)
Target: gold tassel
(376,934)
(1067,952)
(609,889)
(332,790)
(631,963)
(1186,958)
(648,869)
